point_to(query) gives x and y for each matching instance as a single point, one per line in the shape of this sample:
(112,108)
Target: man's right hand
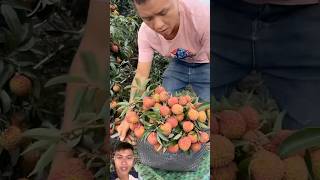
(123,129)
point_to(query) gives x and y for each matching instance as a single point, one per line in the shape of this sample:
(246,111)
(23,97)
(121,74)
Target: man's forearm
(95,42)
(134,86)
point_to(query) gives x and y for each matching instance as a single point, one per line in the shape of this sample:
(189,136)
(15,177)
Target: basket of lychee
(170,123)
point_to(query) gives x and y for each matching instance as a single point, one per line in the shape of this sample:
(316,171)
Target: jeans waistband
(185,63)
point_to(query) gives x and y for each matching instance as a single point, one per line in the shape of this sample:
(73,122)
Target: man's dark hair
(123,146)
(139,2)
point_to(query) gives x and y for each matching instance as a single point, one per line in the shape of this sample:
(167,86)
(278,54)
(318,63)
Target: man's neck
(123,177)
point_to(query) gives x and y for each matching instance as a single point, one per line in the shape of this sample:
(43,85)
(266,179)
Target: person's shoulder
(194,7)
(145,29)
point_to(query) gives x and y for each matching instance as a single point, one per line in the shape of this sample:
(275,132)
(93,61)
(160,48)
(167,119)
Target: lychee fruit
(184,143)
(116,88)
(180,117)
(10,138)
(188,98)
(148,102)
(133,126)
(17,119)
(113,104)
(164,96)
(187,126)
(266,165)
(74,169)
(20,85)
(173,148)
(132,117)
(166,128)
(295,168)
(251,116)
(159,89)
(177,109)
(193,136)
(173,121)
(228,172)
(30,160)
(315,161)
(222,152)
(232,124)
(202,116)
(157,105)
(256,137)
(183,100)
(204,137)
(152,138)
(156,97)
(114,48)
(138,132)
(165,111)
(172,101)
(193,114)
(195,147)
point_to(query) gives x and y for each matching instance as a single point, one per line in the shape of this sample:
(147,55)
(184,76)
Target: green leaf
(91,67)
(202,125)
(73,142)
(244,169)
(87,104)
(28,45)
(238,143)
(37,145)
(163,137)
(204,106)
(177,136)
(278,123)
(102,172)
(86,116)
(65,79)
(42,133)
(7,73)
(77,102)
(302,139)
(44,160)
(6,101)
(145,122)
(11,19)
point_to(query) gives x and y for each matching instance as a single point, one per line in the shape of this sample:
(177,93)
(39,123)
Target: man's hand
(123,129)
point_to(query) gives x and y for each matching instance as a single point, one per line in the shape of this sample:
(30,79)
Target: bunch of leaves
(88,117)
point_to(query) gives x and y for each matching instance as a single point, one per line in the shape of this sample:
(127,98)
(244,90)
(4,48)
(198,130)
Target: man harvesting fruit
(178,29)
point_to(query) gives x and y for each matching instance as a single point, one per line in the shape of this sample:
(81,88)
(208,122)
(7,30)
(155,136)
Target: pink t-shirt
(193,35)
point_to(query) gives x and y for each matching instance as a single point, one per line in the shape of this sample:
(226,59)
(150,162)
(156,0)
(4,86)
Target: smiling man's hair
(123,146)
(139,2)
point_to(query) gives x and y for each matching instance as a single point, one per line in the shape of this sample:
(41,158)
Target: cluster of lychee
(176,122)
(74,169)
(261,151)
(20,85)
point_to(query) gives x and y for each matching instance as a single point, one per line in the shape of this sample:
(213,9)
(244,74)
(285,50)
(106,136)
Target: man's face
(160,15)
(123,160)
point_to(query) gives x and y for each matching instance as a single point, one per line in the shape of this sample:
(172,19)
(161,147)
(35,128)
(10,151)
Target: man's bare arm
(94,41)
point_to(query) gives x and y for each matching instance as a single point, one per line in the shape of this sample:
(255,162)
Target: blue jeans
(179,74)
(280,42)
